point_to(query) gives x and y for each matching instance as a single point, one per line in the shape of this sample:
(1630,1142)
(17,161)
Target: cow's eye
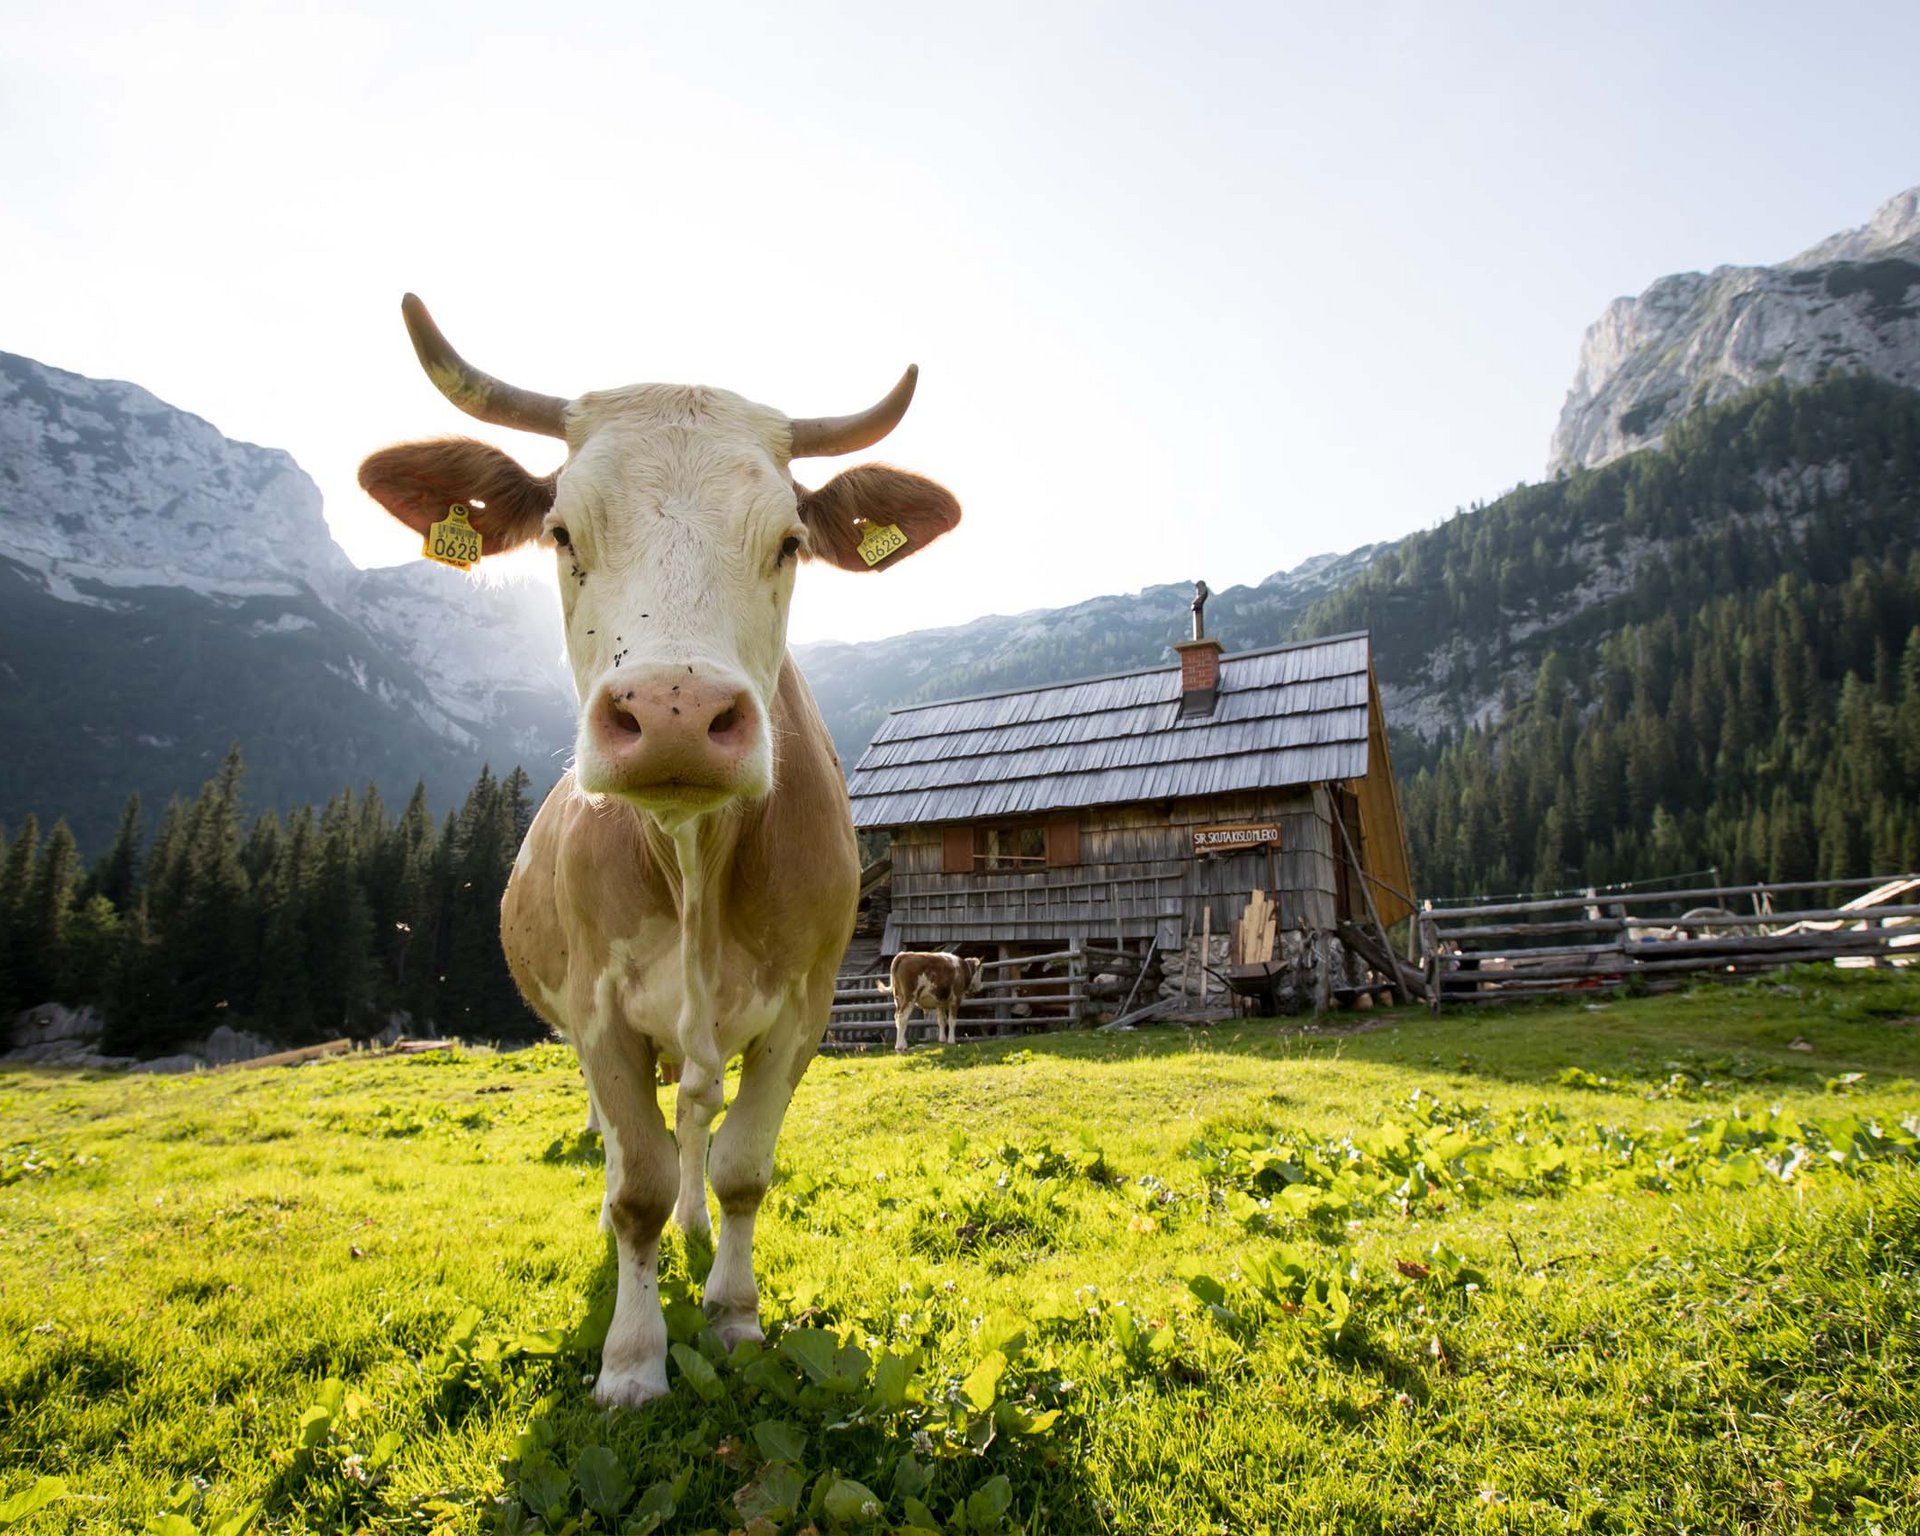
(788,549)
(561,536)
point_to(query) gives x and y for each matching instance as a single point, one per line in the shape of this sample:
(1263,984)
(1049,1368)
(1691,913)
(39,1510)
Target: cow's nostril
(622,719)
(724,722)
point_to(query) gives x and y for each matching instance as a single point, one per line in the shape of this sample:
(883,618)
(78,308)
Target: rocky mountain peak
(1850,302)
(1894,230)
(102,483)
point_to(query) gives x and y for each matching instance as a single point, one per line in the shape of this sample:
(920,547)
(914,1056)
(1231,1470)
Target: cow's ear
(417,482)
(875,506)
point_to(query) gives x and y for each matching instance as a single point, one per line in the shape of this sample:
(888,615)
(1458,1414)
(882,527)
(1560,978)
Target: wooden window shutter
(1063,841)
(956,850)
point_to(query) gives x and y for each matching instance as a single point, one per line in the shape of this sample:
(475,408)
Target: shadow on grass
(781,1422)
(1796,1028)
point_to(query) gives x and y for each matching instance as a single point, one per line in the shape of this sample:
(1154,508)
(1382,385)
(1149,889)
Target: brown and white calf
(933,983)
(687,890)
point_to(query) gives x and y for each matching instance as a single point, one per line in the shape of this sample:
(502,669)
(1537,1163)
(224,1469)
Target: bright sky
(1196,290)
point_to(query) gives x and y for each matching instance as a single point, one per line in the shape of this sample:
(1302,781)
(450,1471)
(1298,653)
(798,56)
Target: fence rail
(999,1003)
(1477,954)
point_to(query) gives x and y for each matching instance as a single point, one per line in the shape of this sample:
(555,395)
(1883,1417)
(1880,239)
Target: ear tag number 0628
(879,541)
(453,540)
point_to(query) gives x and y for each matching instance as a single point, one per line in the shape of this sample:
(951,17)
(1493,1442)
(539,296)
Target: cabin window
(1010,847)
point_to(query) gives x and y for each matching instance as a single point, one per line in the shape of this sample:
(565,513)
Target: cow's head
(970,977)
(677,530)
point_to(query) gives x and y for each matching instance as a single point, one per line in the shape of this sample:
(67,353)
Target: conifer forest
(307,927)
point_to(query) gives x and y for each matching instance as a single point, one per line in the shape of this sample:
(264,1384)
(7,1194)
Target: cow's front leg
(701,1095)
(641,1181)
(741,1170)
(900,1012)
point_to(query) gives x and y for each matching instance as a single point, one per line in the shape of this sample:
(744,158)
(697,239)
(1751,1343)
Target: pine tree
(42,927)
(284,999)
(340,935)
(116,877)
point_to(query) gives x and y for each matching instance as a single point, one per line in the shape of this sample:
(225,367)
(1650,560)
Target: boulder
(55,1022)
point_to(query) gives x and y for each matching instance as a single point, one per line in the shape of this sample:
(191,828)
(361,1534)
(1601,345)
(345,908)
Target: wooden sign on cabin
(1227,839)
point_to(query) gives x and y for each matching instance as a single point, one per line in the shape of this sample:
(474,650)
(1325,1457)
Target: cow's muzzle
(671,736)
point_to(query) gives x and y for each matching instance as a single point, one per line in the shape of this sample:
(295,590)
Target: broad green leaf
(988,1503)
(185,1499)
(770,1376)
(238,1523)
(160,1525)
(384,1450)
(699,1372)
(461,1335)
(780,1441)
(315,1425)
(1208,1289)
(656,1506)
(590,1333)
(1004,1331)
(851,1503)
(983,1385)
(545,1486)
(774,1493)
(604,1483)
(910,1480)
(542,1344)
(918,1514)
(890,1377)
(812,1350)
(685,1321)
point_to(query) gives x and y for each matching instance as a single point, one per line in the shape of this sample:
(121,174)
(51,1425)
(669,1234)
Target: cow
(933,983)
(686,891)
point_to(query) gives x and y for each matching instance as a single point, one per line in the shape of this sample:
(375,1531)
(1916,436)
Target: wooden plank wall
(1137,873)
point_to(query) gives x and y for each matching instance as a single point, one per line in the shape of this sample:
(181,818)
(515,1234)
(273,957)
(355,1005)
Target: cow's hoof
(732,1327)
(631,1388)
(900,1050)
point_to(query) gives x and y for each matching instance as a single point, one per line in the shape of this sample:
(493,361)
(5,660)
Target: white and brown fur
(934,983)
(668,921)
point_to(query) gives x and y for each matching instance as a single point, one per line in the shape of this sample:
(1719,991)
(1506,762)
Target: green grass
(1238,1279)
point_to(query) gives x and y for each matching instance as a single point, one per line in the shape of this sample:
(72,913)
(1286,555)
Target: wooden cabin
(1137,812)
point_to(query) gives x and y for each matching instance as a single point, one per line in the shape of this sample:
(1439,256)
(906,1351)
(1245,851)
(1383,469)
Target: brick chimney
(1199,662)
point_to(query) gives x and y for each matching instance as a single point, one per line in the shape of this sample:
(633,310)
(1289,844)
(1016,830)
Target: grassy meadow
(1644,1265)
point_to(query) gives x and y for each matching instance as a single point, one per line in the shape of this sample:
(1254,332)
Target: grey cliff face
(165,591)
(1851,302)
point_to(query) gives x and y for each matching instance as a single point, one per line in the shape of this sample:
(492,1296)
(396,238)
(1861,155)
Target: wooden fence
(1490,952)
(1019,996)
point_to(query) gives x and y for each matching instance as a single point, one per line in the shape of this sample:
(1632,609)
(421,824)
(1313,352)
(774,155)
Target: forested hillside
(1702,655)
(307,928)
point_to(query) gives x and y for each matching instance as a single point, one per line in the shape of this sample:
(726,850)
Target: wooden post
(1367,891)
(1206,952)
(1139,976)
(1430,944)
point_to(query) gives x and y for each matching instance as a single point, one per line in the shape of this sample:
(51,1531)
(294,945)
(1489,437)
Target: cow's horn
(479,394)
(820,437)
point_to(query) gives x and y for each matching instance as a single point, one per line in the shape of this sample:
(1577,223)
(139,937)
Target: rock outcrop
(1852,302)
(166,591)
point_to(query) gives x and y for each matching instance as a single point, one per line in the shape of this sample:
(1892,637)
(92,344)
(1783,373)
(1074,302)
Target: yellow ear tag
(453,540)
(879,541)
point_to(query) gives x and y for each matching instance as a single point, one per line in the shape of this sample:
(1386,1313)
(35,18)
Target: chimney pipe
(1199,663)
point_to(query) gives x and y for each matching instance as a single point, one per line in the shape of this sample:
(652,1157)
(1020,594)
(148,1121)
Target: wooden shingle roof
(1295,714)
